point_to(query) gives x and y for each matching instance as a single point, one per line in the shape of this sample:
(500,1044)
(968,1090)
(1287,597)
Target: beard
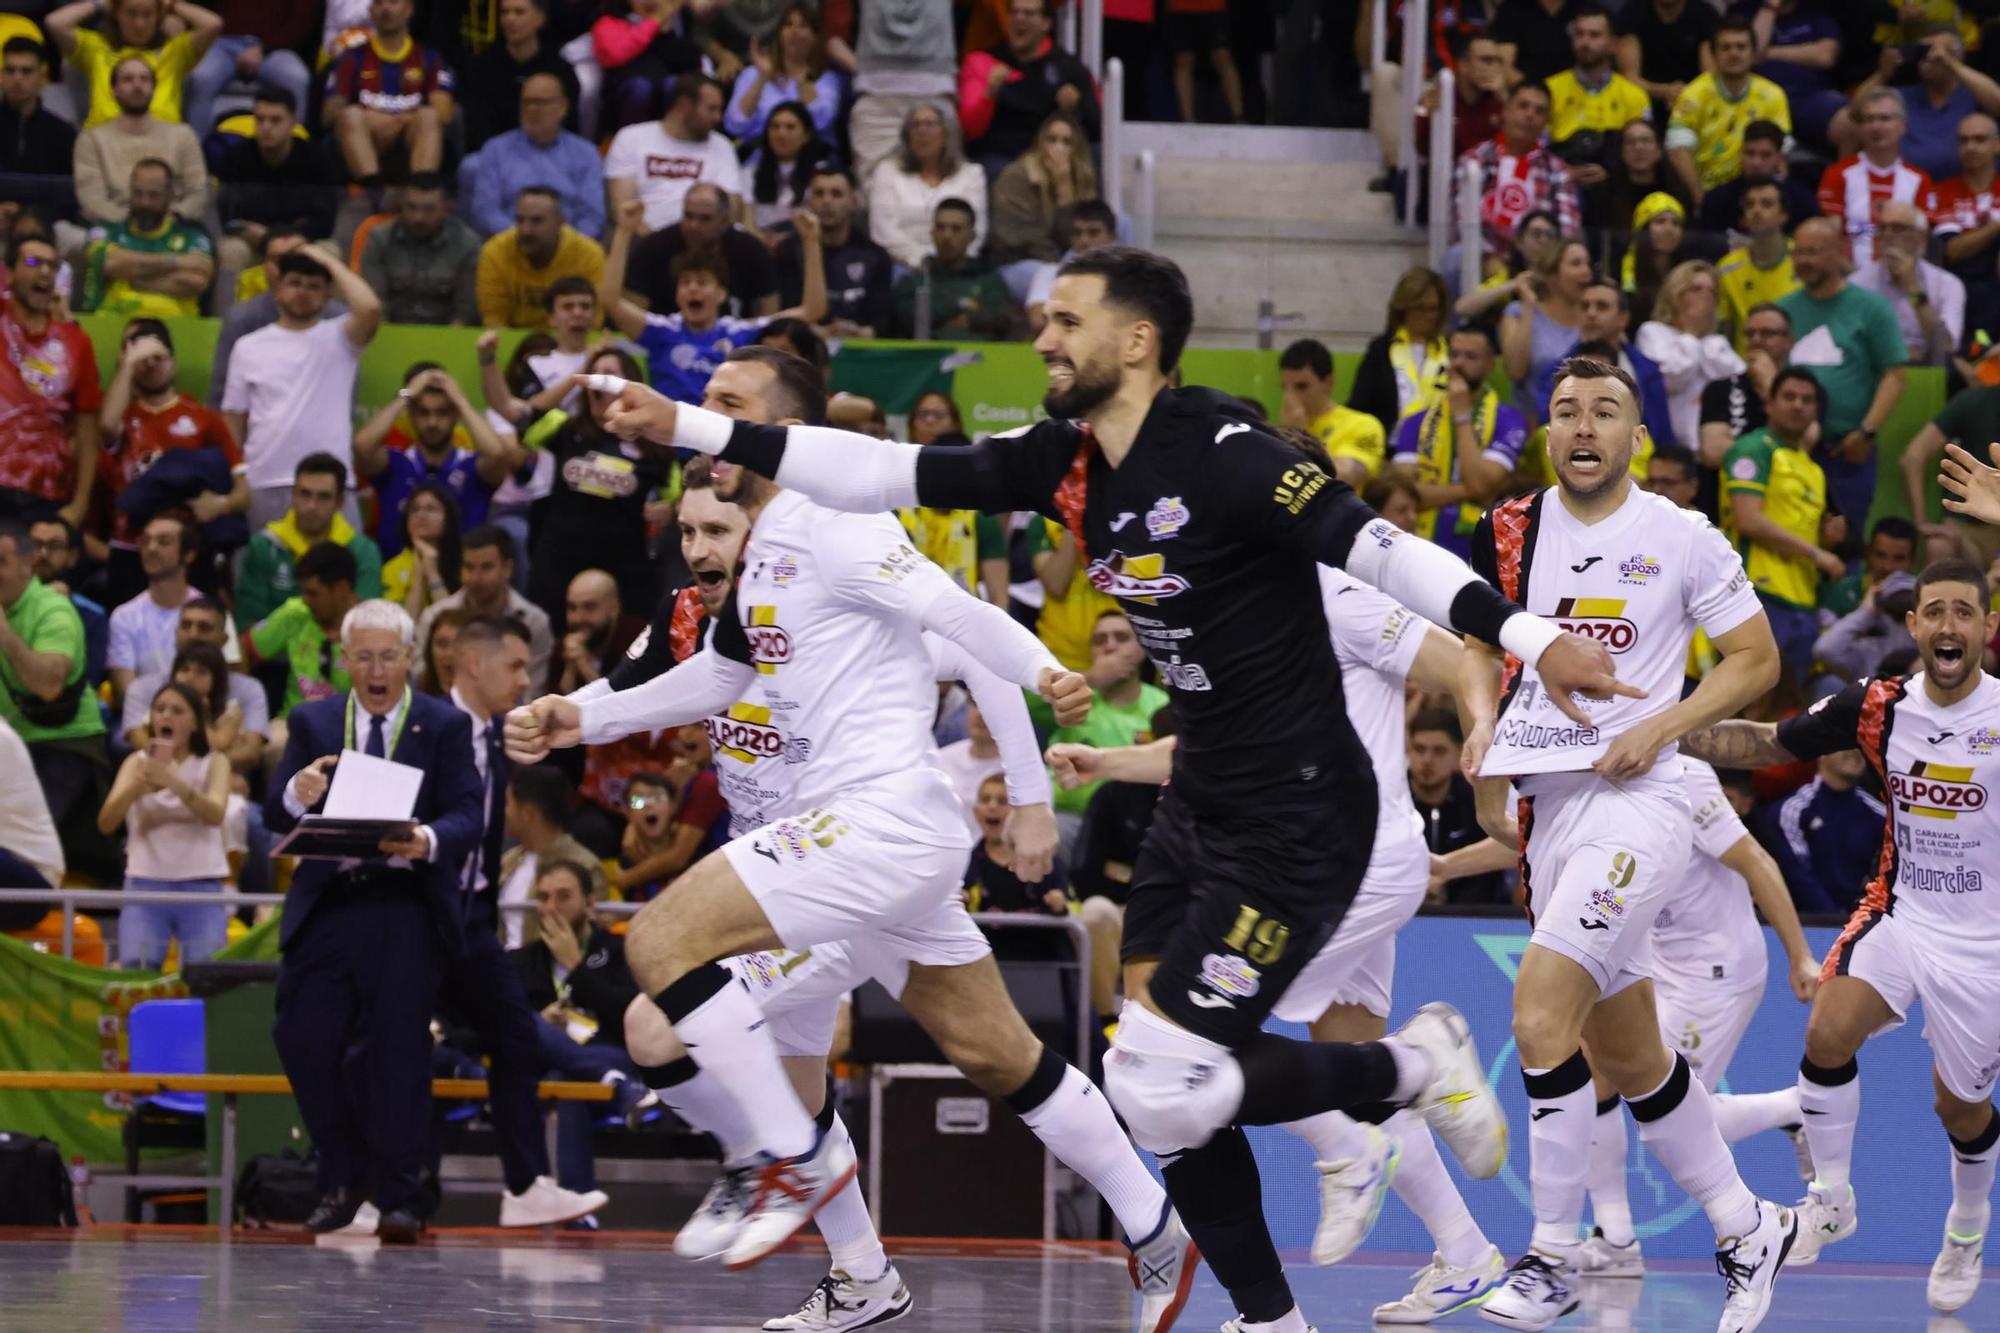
(1089,387)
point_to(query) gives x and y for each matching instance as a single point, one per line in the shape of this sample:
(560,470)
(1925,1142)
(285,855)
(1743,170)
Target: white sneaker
(1457,1101)
(1351,1191)
(1801,1149)
(1534,1294)
(1291,1322)
(546,1203)
(715,1223)
(789,1190)
(1824,1219)
(1750,1265)
(366,1218)
(1163,1268)
(1598,1257)
(841,1302)
(1444,1289)
(1956,1273)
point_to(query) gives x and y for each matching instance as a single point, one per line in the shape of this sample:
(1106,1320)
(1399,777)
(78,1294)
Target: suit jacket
(436,738)
(601,985)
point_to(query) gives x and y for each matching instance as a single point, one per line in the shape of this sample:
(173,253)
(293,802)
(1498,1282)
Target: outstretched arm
(1151,763)
(1738,743)
(1971,487)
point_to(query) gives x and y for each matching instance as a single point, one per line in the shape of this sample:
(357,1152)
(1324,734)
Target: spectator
(1031,198)
(1193,28)
(1662,44)
(170,799)
(1891,549)
(425,569)
(1659,243)
(1854,189)
(48,397)
(1827,836)
(1971,420)
(969,546)
(1519,175)
(792,68)
(1681,339)
(1929,302)
(1673,473)
(906,189)
(705,229)
(1541,322)
(1403,368)
(961,296)
(1121,710)
(967,763)
(1353,439)
(34,141)
(497,78)
(107,152)
(1008,94)
(550,358)
(143,630)
(1759,271)
(1849,340)
(1966,219)
(684,348)
(1461,467)
(1092,224)
(259,45)
(389,96)
(1777,511)
(290,390)
(31,856)
(597,630)
(199,637)
(424,263)
(1763,158)
(440,671)
(274,177)
(303,631)
(1602,318)
(859,273)
(1705,131)
(267,575)
(657,162)
(1640,172)
(1533,36)
(438,410)
(1945,92)
(1445,802)
(58,551)
(151,263)
(643,56)
(1481,86)
(1591,103)
(1070,606)
(486,589)
(1798,48)
(255,312)
(669,817)
(990,886)
(135,30)
(540,801)
(540,153)
(1735,406)
(518,266)
(904,58)
(780,168)
(1854,646)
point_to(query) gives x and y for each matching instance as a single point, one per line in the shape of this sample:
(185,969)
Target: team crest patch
(1230,975)
(1983,741)
(1166,518)
(1744,469)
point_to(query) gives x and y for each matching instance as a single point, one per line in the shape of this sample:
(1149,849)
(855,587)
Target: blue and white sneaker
(1444,1289)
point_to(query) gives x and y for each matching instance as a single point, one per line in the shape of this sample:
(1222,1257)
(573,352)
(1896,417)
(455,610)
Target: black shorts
(1234,906)
(1199,33)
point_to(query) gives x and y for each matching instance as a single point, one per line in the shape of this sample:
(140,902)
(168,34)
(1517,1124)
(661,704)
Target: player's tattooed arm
(1737,743)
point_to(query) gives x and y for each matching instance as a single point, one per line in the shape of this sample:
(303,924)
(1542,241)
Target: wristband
(701,430)
(1527,636)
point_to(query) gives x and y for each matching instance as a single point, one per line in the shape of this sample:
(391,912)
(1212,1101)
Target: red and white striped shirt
(1956,206)
(1854,191)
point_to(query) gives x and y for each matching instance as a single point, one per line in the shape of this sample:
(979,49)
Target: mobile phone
(161,749)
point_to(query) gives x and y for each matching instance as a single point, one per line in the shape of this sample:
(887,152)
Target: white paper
(365,787)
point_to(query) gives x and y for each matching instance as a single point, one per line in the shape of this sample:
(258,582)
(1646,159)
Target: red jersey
(44,383)
(380,81)
(1955,206)
(1854,190)
(151,432)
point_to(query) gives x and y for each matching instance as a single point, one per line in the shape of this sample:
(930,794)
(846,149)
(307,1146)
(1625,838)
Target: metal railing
(1416,28)
(1111,143)
(1471,242)
(1444,133)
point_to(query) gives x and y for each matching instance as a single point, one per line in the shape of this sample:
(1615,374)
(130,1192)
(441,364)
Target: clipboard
(320,838)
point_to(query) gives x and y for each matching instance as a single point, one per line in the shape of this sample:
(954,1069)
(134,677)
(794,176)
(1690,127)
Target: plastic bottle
(79,1183)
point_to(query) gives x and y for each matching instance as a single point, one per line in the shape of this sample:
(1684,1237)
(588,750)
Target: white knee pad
(1174,1089)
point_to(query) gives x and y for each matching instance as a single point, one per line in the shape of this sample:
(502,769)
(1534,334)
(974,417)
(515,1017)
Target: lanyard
(347,736)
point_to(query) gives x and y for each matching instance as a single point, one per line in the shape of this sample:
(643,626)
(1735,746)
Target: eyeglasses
(369,661)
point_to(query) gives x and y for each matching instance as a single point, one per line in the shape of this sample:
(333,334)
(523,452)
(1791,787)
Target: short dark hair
(1769,308)
(426,181)
(207,606)
(1536,86)
(188,530)
(1308,354)
(17,46)
(1764,131)
(323,464)
(1589,9)
(954,204)
(831,166)
(140,326)
(161,165)
(1438,719)
(328,563)
(1589,368)
(1734,23)
(1095,210)
(208,657)
(798,386)
(802,337)
(1483,332)
(546,192)
(576,870)
(1606,280)
(1955,571)
(1801,374)
(687,88)
(1681,457)
(296,263)
(698,474)
(272,94)
(486,632)
(1151,286)
(1896,527)
(416,368)
(72,535)
(648,778)
(571,284)
(545,788)
(490,537)
(1761,183)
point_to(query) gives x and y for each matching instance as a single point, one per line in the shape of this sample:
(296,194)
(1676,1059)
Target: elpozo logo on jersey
(1599,618)
(1638,569)
(770,646)
(1142,578)
(1936,791)
(745,734)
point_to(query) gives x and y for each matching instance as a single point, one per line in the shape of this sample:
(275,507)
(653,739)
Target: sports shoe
(1802,1150)
(1290,1322)
(1162,1268)
(1750,1265)
(546,1203)
(366,1218)
(1534,1294)
(1598,1257)
(1824,1219)
(841,1302)
(789,1190)
(1351,1190)
(1955,1274)
(715,1223)
(1444,1289)
(1457,1101)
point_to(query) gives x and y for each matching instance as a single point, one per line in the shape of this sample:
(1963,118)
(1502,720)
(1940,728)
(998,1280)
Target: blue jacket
(436,737)
(1653,411)
(1828,844)
(176,477)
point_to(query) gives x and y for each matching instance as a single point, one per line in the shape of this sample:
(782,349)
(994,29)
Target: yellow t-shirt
(1744,287)
(1710,125)
(1347,433)
(171,63)
(510,290)
(1065,622)
(1793,489)
(1574,108)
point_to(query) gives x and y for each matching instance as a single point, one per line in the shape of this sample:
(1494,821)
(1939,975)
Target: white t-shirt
(1709,921)
(664,167)
(142,634)
(966,771)
(297,387)
(1376,640)
(26,827)
(516,494)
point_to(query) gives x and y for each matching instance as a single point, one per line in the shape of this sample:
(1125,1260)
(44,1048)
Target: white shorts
(1961,996)
(1601,862)
(1358,964)
(1703,1019)
(850,869)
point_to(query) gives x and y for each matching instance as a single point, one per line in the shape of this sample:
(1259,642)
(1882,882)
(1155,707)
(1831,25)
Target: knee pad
(1171,1101)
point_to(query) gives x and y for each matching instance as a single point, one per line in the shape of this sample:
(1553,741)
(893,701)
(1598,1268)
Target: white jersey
(1640,582)
(1709,922)
(1376,640)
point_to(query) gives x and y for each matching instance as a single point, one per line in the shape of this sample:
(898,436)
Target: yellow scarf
(1418,387)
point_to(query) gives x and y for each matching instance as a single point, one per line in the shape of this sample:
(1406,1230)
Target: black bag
(34,1184)
(277,1187)
(57,712)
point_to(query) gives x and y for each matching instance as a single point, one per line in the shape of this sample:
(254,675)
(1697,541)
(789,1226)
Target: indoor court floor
(180,1280)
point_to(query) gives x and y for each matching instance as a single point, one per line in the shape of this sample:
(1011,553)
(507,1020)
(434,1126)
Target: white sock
(1334,1136)
(1609,1207)
(845,1226)
(1738,1115)
(1972,1183)
(1079,1127)
(1677,1123)
(1830,1110)
(1426,1188)
(727,1036)
(1560,1111)
(1413,1070)
(1289,1322)
(704,1103)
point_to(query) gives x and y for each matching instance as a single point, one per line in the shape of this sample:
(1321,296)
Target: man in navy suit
(365,942)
